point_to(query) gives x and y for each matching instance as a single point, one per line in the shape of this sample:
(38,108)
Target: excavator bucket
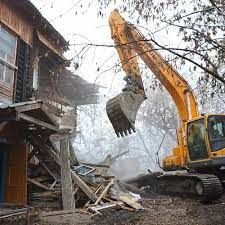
(122,111)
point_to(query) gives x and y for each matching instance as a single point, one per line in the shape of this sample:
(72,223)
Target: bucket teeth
(133,128)
(122,111)
(121,134)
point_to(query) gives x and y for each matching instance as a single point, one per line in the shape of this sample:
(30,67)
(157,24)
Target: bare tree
(199,23)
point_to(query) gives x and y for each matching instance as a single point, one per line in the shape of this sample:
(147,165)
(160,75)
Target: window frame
(191,153)
(210,139)
(7,63)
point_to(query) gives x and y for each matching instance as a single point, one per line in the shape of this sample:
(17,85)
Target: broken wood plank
(46,194)
(107,177)
(73,158)
(66,180)
(129,200)
(49,115)
(53,184)
(41,178)
(2,125)
(40,143)
(99,188)
(94,211)
(118,203)
(103,206)
(38,184)
(89,183)
(53,109)
(31,155)
(84,187)
(37,122)
(47,164)
(96,192)
(105,191)
(75,191)
(51,153)
(94,165)
(29,107)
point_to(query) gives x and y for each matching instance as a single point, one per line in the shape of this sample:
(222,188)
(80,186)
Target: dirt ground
(157,210)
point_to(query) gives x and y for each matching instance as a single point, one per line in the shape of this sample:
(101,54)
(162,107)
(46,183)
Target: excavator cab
(216,132)
(206,141)
(205,145)
(197,147)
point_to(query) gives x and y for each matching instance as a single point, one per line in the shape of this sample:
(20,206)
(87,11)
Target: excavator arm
(122,109)
(128,56)
(198,151)
(130,44)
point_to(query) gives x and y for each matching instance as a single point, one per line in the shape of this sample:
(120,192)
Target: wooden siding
(6,91)
(16,21)
(50,45)
(16,187)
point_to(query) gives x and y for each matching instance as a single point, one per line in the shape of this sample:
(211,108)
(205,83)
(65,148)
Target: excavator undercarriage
(204,187)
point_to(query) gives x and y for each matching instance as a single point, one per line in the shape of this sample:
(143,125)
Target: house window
(8,44)
(35,79)
(35,65)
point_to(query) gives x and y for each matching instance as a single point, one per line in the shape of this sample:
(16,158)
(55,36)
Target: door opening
(3,171)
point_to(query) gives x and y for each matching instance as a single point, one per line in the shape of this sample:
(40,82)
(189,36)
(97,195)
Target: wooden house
(34,96)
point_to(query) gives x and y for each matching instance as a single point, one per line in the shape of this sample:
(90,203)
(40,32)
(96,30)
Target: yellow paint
(131,44)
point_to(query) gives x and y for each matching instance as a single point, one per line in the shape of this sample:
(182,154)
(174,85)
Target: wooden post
(66,180)
(84,187)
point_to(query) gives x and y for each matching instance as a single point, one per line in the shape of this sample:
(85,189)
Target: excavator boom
(130,45)
(201,138)
(123,108)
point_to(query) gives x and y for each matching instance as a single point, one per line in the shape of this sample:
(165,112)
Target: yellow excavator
(197,164)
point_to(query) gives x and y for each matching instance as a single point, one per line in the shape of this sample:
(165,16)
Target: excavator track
(205,187)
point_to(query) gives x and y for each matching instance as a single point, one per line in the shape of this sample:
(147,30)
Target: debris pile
(93,188)
(44,188)
(17,214)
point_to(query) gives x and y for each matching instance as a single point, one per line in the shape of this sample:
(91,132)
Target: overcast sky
(79,23)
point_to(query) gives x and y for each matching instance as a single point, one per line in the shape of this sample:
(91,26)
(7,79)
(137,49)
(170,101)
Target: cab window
(216,130)
(196,140)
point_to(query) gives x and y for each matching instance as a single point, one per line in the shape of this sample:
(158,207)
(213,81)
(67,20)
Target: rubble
(93,188)
(17,214)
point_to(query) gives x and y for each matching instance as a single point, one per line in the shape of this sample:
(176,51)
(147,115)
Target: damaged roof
(76,89)
(39,21)
(13,105)
(31,112)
